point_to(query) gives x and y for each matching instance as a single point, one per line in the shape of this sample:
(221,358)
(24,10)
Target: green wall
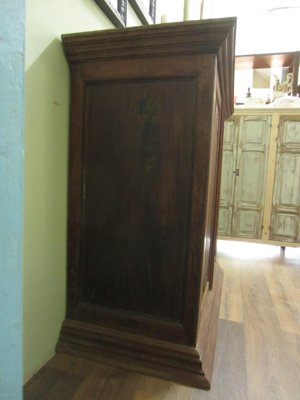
(46,140)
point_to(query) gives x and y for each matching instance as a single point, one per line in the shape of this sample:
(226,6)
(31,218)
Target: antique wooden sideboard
(147,112)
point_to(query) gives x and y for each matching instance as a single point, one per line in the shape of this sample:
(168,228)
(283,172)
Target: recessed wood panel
(247,222)
(137,182)
(291,133)
(250,185)
(227,178)
(224,224)
(288,190)
(286,226)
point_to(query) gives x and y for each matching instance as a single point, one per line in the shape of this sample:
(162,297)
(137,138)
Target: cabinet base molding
(175,362)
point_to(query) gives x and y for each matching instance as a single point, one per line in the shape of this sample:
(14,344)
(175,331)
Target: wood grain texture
(231,304)
(256,358)
(137,195)
(270,308)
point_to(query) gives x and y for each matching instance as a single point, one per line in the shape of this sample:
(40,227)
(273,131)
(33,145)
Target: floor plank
(229,377)
(231,302)
(258,347)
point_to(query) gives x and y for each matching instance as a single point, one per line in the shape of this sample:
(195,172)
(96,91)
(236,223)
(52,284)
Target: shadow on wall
(46,138)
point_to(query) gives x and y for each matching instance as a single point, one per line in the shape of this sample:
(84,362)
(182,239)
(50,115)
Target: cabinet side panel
(137,178)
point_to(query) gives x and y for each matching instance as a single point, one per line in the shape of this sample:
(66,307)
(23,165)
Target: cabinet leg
(282,250)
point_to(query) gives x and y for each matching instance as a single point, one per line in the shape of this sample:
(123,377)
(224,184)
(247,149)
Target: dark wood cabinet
(147,114)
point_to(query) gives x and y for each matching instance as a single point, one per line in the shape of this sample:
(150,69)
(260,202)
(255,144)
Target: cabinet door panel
(250,184)
(224,224)
(285,218)
(291,133)
(247,221)
(227,177)
(286,226)
(288,189)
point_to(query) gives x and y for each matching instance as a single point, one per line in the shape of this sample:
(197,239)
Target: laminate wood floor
(258,348)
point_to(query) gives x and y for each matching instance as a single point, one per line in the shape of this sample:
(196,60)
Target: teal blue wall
(11,195)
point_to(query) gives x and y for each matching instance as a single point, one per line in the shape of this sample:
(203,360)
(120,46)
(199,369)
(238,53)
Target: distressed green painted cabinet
(260,181)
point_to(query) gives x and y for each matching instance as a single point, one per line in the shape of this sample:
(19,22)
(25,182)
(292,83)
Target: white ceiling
(264,26)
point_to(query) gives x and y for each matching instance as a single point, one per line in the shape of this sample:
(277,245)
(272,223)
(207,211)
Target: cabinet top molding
(214,36)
